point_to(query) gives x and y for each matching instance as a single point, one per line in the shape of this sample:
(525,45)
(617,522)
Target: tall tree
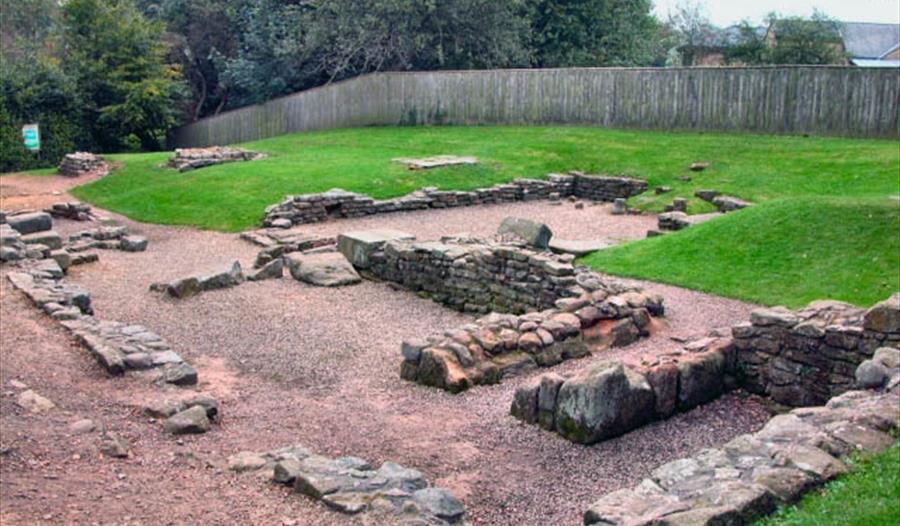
(693,29)
(591,32)
(798,40)
(117,58)
(749,46)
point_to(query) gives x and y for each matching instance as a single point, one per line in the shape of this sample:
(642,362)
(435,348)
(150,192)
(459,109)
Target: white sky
(725,12)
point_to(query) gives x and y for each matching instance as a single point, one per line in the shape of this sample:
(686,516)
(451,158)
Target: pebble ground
(295,364)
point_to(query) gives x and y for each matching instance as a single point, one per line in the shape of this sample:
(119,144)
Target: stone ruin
(74,210)
(609,399)
(42,262)
(311,208)
(795,358)
(390,494)
(82,163)
(192,158)
(753,474)
(805,357)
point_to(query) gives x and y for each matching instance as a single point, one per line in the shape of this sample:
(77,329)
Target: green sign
(32,137)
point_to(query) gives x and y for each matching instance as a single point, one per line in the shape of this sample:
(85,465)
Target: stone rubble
(530,232)
(74,210)
(753,474)
(310,208)
(499,346)
(82,163)
(390,494)
(277,242)
(192,158)
(106,237)
(117,346)
(193,285)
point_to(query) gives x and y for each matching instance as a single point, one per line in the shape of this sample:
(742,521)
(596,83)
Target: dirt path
(33,192)
(292,363)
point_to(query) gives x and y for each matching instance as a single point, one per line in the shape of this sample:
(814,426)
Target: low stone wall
(498,346)
(480,276)
(82,163)
(192,158)
(335,203)
(750,476)
(116,346)
(804,357)
(390,494)
(610,399)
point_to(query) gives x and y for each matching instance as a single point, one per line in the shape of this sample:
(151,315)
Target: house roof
(875,63)
(866,40)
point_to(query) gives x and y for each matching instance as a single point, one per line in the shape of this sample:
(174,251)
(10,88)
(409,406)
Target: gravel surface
(292,363)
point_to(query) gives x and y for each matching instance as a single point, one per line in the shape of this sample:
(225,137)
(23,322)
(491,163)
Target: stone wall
(335,203)
(804,357)
(192,158)
(610,398)
(753,474)
(117,346)
(480,276)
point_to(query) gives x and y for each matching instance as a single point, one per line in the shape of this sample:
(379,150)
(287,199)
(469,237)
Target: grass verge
(867,496)
(785,252)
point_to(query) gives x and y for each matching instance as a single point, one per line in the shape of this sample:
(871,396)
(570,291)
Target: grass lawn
(787,252)
(826,223)
(232,197)
(868,496)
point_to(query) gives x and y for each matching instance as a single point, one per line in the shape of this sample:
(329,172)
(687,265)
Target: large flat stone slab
(576,247)
(326,269)
(436,161)
(359,245)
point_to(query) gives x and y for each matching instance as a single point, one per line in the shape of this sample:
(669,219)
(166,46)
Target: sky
(727,12)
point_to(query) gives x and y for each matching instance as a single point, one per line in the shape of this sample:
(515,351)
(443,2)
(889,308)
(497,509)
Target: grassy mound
(786,252)
(232,197)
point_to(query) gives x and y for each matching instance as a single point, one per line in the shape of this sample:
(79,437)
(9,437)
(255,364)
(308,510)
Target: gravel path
(292,363)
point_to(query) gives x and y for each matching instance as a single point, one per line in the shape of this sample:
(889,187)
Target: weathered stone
(134,243)
(871,375)
(576,247)
(184,288)
(535,234)
(884,316)
(30,223)
(700,379)
(328,269)
(664,381)
(114,446)
(546,401)
(606,401)
(34,402)
(246,461)
(192,420)
(231,277)
(271,270)
(83,426)
(358,246)
(440,503)
(48,238)
(525,403)
(178,374)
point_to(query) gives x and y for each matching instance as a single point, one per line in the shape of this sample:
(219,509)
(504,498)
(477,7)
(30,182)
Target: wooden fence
(820,100)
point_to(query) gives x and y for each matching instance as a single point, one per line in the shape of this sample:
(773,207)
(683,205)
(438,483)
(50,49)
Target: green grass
(786,252)
(231,197)
(826,223)
(868,496)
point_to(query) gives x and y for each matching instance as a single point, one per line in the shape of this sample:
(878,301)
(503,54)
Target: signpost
(31,135)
